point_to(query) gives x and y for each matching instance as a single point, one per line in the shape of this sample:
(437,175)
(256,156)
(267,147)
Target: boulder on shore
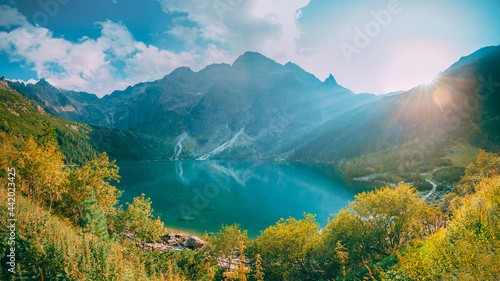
(193,243)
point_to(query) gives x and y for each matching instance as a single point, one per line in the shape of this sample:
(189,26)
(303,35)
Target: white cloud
(78,66)
(87,65)
(269,27)
(30,81)
(116,38)
(151,63)
(186,34)
(10,17)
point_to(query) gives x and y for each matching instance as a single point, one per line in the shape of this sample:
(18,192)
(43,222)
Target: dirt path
(434,186)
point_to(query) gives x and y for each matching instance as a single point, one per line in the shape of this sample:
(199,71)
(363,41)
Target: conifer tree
(94,220)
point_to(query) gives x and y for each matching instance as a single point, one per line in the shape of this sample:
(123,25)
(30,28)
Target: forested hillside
(22,118)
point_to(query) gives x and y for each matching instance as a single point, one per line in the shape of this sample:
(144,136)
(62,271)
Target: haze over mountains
(259,109)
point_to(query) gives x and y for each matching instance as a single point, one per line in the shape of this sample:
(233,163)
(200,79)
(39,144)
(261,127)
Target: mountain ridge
(275,105)
(264,109)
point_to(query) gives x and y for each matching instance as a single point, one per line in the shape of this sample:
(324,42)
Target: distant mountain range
(257,108)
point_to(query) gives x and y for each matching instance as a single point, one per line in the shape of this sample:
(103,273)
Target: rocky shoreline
(173,241)
(373,178)
(431,195)
(178,242)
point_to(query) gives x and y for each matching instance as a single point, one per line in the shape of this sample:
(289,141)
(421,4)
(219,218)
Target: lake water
(200,196)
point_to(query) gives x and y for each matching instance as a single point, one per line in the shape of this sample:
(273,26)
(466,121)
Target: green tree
(48,136)
(449,175)
(41,171)
(139,219)
(286,248)
(94,220)
(375,225)
(92,177)
(225,244)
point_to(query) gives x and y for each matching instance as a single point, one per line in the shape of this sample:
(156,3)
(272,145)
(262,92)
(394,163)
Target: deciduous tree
(285,248)
(92,177)
(224,245)
(41,170)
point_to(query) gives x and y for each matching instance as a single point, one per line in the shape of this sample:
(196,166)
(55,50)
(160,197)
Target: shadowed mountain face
(255,108)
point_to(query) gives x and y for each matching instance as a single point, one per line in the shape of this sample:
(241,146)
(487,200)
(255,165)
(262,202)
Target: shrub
(374,226)
(224,246)
(466,250)
(139,219)
(286,248)
(449,175)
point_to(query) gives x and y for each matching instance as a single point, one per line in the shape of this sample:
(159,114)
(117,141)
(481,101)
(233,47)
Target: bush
(139,220)
(466,250)
(390,178)
(419,182)
(286,248)
(449,175)
(373,227)
(224,245)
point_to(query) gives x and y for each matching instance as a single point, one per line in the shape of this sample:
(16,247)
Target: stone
(193,243)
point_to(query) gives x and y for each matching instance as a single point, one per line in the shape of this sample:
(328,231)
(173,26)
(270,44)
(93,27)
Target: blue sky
(374,46)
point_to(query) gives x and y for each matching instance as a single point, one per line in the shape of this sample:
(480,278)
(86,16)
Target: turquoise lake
(200,196)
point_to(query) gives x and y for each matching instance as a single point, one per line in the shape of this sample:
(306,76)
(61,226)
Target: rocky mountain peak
(43,83)
(254,60)
(181,71)
(330,81)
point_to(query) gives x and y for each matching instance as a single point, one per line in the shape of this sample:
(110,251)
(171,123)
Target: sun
(415,63)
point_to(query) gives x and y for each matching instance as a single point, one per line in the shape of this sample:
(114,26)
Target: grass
(462,154)
(413,162)
(50,247)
